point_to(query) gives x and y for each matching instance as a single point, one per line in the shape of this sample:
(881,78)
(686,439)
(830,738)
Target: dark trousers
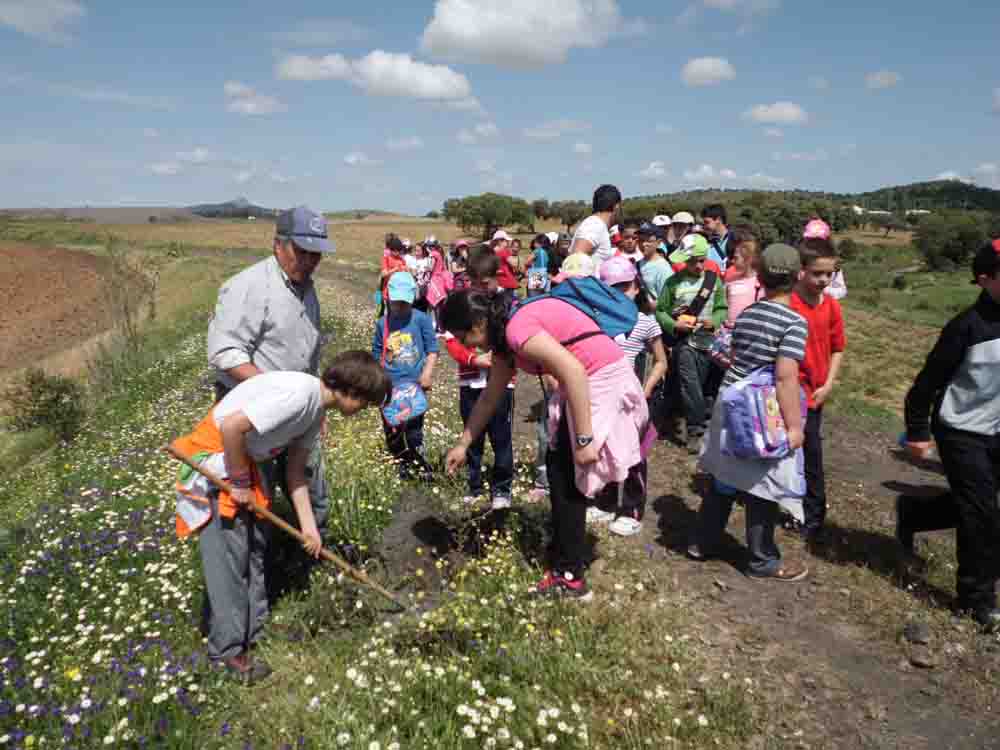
(693,368)
(761,518)
(405,443)
(499,429)
(814,503)
(569,506)
(633,492)
(972,466)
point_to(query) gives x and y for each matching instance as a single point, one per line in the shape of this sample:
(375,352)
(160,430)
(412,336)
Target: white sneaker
(625,526)
(596,515)
(500,502)
(470,499)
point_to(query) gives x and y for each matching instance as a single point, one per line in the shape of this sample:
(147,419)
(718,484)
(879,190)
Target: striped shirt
(646,329)
(765,331)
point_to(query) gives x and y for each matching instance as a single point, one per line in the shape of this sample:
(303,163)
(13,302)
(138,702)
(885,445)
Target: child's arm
(486,405)
(838,342)
(238,462)
(787,386)
(377,341)
(720,305)
(664,306)
(430,345)
(659,370)
(944,359)
(465,356)
(298,486)
(427,374)
(821,394)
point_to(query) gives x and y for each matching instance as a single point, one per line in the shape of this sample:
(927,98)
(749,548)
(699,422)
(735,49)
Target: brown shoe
(789,572)
(246,669)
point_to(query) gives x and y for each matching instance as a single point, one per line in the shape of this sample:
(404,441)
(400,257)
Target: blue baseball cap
(402,287)
(305,228)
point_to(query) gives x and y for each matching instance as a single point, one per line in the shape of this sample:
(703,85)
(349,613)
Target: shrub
(848,249)
(949,240)
(54,402)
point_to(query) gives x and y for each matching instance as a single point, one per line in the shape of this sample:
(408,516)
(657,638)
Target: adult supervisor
(267,319)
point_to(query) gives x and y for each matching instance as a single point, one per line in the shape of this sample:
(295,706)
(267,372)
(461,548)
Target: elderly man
(267,318)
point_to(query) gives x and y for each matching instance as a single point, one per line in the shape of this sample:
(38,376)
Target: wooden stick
(358,575)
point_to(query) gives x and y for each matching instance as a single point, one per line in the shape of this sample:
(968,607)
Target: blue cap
(305,228)
(402,287)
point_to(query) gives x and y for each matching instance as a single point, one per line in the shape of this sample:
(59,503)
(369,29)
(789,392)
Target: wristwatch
(582,441)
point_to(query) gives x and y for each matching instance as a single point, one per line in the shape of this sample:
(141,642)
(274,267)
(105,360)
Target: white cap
(660,220)
(683,217)
(501,235)
(430,240)
(553,237)
(614,230)
(406,243)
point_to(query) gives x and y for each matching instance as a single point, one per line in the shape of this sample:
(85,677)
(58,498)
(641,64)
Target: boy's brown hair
(483,264)
(812,249)
(742,237)
(357,374)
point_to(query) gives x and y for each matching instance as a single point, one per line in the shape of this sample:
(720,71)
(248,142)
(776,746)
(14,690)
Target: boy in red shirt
(507,277)
(817,374)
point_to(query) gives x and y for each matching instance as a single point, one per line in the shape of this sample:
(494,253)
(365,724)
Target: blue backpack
(614,313)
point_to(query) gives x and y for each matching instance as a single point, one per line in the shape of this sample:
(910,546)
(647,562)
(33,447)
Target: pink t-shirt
(740,294)
(562,322)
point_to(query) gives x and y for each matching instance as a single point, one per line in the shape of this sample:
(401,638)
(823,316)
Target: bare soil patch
(52,301)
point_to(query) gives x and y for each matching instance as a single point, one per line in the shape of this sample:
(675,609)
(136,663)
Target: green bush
(848,249)
(54,402)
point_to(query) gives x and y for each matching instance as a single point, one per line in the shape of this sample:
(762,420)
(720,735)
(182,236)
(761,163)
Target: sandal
(789,572)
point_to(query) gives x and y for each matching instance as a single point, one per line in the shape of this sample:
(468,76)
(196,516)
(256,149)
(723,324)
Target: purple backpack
(752,417)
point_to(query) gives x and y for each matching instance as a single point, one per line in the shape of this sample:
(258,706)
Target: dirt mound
(52,301)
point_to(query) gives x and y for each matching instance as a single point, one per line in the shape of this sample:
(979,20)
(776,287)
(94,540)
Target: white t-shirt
(594,230)
(646,329)
(281,406)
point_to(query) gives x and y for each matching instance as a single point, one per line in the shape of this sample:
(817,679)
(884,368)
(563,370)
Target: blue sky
(401,105)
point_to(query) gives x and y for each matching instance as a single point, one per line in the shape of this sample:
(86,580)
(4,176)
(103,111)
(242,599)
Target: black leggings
(569,506)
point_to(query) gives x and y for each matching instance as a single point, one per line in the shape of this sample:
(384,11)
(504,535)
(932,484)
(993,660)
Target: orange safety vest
(207,438)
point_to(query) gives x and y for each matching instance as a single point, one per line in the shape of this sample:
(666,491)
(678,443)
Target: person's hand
(424,381)
(454,460)
(796,438)
(484,361)
(242,497)
(551,384)
(312,543)
(921,449)
(821,394)
(707,325)
(683,326)
(586,456)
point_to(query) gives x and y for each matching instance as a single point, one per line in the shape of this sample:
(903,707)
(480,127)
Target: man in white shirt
(592,236)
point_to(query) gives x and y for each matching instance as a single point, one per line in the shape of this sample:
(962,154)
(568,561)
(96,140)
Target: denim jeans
(500,431)
(693,368)
(761,518)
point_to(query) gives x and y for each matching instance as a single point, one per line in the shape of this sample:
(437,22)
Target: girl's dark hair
(542,241)
(467,308)
(357,374)
(483,264)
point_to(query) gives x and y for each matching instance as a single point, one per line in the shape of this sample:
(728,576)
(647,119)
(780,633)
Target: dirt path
(827,653)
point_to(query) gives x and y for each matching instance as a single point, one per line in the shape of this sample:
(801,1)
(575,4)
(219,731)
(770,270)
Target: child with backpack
(256,420)
(956,397)
(473,368)
(691,308)
(818,373)
(405,343)
(769,334)
(596,415)
(538,266)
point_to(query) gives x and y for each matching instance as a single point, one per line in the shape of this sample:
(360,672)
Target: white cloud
(882,79)
(988,168)
(774,132)
(43,19)
(481,132)
(996,100)
(196,156)
(150,133)
(750,7)
(360,159)
(410,143)
(779,113)
(522,34)
(707,175)
(704,172)
(321,32)
(244,100)
(952,175)
(988,173)
(817,155)
(758,179)
(819,83)
(707,71)
(104,95)
(663,129)
(584,149)
(486,166)
(165,168)
(556,128)
(381,73)
(656,170)
(280,179)
(244,176)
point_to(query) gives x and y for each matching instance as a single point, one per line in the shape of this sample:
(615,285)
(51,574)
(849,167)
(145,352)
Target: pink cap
(816,229)
(617,270)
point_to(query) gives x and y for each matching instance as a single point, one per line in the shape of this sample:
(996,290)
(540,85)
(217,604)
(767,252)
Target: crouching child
(258,419)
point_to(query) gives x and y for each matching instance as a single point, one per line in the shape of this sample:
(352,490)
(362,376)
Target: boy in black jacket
(960,385)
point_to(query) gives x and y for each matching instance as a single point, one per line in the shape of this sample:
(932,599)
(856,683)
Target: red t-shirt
(826,336)
(505,276)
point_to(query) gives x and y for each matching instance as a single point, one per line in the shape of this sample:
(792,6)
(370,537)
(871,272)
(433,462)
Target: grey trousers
(232,558)
(761,518)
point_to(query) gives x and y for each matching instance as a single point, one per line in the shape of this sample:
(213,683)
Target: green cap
(780,259)
(693,246)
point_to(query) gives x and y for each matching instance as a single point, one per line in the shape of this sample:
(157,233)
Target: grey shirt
(264,319)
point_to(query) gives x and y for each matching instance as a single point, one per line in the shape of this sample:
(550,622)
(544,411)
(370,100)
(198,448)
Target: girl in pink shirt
(742,287)
(594,438)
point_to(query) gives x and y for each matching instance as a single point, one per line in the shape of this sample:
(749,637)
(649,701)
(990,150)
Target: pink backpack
(752,417)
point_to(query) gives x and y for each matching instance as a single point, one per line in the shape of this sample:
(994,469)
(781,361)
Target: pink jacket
(619,415)
(441,281)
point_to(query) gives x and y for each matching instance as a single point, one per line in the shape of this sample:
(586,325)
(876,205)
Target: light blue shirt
(655,273)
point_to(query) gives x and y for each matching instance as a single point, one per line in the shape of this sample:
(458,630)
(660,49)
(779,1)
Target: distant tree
(433,215)
(950,239)
(570,212)
(152,219)
(540,208)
